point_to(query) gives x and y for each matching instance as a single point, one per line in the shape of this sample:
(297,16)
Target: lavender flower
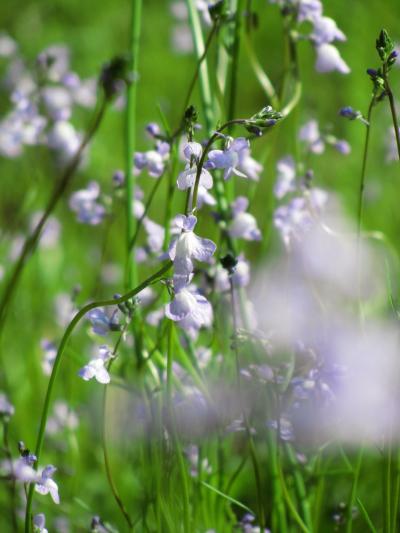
(329,59)
(186,247)
(186,179)
(285,181)
(96,367)
(6,408)
(154,161)
(44,483)
(86,205)
(191,310)
(311,135)
(229,159)
(49,356)
(243,225)
(102,323)
(39,523)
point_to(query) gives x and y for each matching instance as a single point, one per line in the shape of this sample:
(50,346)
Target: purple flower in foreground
(186,247)
(229,159)
(86,206)
(96,367)
(154,161)
(46,485)
(191,310)
(186,179)
(243,225)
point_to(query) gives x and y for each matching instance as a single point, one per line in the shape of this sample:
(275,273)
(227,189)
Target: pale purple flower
(57,102)
(153,129)
(51,232)
(229,159)
(326,31)
(84,93)
(49,356)
(6,408)
(243,225)
(186,247)
(20,469)
(204,197)
(155,235)
(191,310)
(285,181)
(63,417)
(39,523)
(54,61)
(85,203)
(342,146)
(248,165)
(96,367)
(309,10)
(102,322)
(186,179)
(154,161)
(329,59)
(311,135)
(240,276)
(64,140)
(46,485)
(295,218)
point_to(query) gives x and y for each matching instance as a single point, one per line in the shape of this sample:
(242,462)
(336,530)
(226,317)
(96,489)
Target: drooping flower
(46,485)
(191,310)
(102,322)
(187,247)
(39,523)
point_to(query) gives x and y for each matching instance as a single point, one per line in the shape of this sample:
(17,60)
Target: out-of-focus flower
(329,59)
(154,161)
(103,322)
(44,483)
(285,181)
(39,523)
(243,224)
(85,203)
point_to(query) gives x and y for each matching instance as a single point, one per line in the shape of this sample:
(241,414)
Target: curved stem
(130,137)
(32,240)
(68,332)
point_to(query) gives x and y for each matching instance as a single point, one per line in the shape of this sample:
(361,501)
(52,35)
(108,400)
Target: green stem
(31,241)
(389,93)
(130,137)
(205,87)
(68,332)
(12,489)
(364,167)
(235,60)
(353,492)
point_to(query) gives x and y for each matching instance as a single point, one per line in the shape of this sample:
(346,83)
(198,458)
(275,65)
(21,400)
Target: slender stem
(130,137)
(107,463)
(205,87)
(353,492)
(252,449)
(68,332)
(389,93)
(13,493)
(32,240)
(235,60)
(364,167)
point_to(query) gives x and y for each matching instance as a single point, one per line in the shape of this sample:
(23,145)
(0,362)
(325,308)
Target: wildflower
(285,181)
(191,310)
(6,408)
(101,322)
(229,159)
(154,161)
(326,31)
(240,275)
(329,59)
(86,206)
(243,225)
(96,367)
(39,523)
(46,485)
(64,140)
(186,247)
(186,179)
(8,46)
(49,356)
(311,135)
(155,235)
(63,417)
